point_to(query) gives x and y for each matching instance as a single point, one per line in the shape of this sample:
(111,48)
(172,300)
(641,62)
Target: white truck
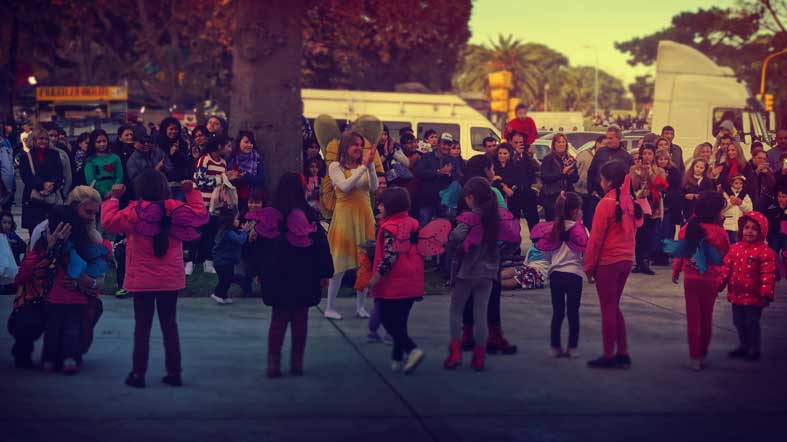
(421,112)
(694,95)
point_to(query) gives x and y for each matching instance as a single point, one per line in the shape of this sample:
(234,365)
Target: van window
(452,129)
(477,135)
(394,126)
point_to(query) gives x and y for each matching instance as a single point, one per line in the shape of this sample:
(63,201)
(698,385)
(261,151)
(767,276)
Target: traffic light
(499,85)
(768,102)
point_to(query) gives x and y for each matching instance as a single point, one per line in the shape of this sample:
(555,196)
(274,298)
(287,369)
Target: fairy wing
(149,216)
(542,238)
(433,237)
(577,237)
(299,228)
(268,220)
(370,127)
(326,131)
(184,223)
(678,249)
(510,229)
(476,232)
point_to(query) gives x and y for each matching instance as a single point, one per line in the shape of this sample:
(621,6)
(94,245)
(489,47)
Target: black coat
(688,205)
(51,169)
(552,178)
(291,275)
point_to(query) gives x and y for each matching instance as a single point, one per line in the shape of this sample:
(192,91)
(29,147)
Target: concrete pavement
(349,392)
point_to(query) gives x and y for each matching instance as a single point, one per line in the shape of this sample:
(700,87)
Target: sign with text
(81,93)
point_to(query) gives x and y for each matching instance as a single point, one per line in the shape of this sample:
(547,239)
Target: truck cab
(694,95)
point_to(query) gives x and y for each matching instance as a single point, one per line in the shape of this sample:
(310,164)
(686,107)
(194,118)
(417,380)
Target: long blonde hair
(38,131)
(80,195)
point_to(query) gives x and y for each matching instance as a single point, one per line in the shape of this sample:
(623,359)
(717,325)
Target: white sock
(333,291)
(360,300)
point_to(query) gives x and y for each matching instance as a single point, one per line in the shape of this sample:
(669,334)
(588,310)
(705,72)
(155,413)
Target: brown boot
(274,366)
(296,364)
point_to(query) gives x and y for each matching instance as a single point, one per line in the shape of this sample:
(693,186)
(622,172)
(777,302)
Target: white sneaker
(415,358)
(228,300)
(208,267)
(332,314)
(189,268)
(219,300)
(362,313)
(396,365)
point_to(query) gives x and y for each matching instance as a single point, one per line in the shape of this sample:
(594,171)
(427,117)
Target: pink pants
(700,294)
(610,281)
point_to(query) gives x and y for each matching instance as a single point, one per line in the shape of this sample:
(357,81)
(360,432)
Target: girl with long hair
(245,168)
(473,246)
(608,258)
(154,261)
(353,176)
(103,169)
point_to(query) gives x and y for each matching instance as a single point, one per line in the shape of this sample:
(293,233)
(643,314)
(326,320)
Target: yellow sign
(81,93)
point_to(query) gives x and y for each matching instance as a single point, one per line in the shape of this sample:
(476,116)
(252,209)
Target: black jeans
(394,313)
(589,203)
(747,320)
(63,333)
(201,250)
(566,291)
(492,311)
(227,277)
(644,240)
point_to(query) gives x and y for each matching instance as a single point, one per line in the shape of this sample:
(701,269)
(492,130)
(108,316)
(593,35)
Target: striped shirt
(207,171)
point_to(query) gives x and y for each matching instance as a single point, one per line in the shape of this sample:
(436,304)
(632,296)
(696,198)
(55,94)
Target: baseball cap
(447,137)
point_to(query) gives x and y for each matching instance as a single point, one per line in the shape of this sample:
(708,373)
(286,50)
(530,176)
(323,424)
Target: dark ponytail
(161,241)
(485,201)
(565,204)
(708,209)
(615,172)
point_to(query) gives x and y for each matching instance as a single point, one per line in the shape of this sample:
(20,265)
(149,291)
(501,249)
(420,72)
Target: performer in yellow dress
(353,177)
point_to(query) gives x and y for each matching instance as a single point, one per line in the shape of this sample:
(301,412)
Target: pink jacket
(610,241)
(145,272)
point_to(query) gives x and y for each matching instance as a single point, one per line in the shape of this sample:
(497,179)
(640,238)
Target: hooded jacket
(750,268)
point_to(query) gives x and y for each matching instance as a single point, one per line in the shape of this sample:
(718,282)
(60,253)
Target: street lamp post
(595,82)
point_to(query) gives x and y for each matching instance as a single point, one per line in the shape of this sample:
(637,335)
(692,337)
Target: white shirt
(346,184)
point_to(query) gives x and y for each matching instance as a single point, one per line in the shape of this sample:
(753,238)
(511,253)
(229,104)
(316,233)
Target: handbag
(8,267)
(398,171)
(52,199)
(224,194)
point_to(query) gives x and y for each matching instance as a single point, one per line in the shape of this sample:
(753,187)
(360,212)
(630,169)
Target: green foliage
(376,44)
(642,89)
(739,37)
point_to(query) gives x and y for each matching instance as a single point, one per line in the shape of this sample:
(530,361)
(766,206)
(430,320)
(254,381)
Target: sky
(568,25)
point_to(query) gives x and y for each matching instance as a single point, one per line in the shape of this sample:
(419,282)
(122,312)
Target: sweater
(228,246)
(146,272)
(478,262)
(207,172)
(610,241)
(526,127)
(564,259)
(103,171)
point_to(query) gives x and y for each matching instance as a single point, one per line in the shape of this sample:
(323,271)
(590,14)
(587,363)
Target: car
(629,142)
(574,138)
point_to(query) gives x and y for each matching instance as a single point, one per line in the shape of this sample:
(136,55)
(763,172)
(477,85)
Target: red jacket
(406,277)
(610,241)
(716,236)
(750,268)
(527,127)
(145,272)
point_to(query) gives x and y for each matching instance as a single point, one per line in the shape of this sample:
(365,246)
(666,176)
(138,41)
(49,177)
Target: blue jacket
(228,247)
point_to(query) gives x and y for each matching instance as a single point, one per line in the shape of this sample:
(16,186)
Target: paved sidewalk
(349,393)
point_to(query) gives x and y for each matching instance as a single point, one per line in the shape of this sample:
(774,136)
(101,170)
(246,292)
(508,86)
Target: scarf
(734,168)
(248,162)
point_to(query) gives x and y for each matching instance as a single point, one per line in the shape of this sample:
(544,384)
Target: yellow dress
(352,223)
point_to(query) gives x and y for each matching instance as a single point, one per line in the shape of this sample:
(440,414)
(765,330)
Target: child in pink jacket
(155,227)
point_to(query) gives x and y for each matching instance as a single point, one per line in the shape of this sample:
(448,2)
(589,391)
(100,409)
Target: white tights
(333,291)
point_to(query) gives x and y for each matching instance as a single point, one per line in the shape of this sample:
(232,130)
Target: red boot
(468,341)
(478,358)
(497,343)
(454,358)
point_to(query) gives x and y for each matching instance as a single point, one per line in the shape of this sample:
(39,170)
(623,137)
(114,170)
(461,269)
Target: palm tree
(531,65)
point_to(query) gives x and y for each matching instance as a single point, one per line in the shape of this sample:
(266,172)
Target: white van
(694,95)
(442,113)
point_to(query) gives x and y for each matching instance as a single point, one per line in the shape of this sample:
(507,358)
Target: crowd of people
(172,201)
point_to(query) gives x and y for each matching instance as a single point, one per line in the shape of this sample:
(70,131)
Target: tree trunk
(266,82)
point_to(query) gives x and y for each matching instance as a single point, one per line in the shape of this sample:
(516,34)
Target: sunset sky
(568,25)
